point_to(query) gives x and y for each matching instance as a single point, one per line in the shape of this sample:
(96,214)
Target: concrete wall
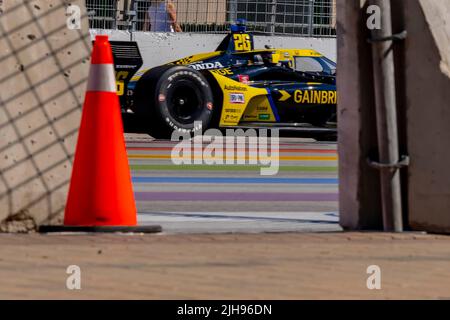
(427,74)
(160,48)
(44,69)
(423,93)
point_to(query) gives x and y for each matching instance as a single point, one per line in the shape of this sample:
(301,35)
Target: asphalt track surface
(203,198)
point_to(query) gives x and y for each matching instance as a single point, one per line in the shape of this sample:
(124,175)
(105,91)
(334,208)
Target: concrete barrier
(427,74)
(422,65)
(160,48)
(44,70)
(359,187)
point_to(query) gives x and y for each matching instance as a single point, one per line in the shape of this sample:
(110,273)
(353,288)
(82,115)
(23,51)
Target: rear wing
(127,61)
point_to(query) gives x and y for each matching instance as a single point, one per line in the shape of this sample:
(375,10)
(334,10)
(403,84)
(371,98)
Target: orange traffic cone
(100,195)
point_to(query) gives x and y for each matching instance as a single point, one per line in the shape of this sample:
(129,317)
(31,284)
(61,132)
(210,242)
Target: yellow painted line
(284,158)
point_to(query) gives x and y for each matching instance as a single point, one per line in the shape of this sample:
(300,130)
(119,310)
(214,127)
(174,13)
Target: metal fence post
(311,18)
(125,9)
(233,11)
(386,111)
(132,17)
(115,15)
(273,16)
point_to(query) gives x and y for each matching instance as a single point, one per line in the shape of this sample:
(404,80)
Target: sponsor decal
(223,72)
(315,97)
(161,98)
(197,127)
(184,73)
(231,118)
(125,66)
(264,117)
(237,98)
(261,108)
(184,60)
(235,88)
(243,78)
(232,110)
(209,106)
(207,66)
(284,95)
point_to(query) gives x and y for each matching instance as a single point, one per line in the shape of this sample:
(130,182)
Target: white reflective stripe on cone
(102,78)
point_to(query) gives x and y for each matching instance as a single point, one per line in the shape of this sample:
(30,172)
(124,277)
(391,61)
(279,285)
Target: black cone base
(102,229)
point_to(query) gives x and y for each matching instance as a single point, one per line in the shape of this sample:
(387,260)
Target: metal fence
(314,18)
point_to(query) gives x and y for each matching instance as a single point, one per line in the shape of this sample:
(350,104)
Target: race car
(236,86)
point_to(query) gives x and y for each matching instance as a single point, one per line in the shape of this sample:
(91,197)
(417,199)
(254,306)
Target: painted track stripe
(172,167)
(298,150)
(235,196)
(285,158)
(227,180)
(236,217)
(296,144)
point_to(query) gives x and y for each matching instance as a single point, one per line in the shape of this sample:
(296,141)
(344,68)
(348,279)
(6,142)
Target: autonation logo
(253,147)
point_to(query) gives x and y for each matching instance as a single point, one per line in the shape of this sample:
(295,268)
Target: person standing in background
(161,17)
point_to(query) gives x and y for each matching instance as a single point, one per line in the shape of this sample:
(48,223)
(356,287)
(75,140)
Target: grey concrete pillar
(359,195)
(44,71)
(427,97)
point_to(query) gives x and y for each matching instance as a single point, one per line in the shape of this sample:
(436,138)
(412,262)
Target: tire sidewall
(162,108)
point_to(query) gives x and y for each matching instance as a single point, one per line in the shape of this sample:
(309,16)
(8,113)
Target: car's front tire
(174,98)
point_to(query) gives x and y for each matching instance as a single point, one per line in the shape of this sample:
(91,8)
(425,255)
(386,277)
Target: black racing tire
(172,98)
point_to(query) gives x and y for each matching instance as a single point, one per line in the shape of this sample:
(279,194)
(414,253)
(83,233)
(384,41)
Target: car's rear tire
(174,98)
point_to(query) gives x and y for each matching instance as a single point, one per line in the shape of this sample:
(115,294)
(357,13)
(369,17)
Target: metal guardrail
(311,18)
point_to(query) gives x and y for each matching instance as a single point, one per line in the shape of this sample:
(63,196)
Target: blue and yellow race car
(234,86)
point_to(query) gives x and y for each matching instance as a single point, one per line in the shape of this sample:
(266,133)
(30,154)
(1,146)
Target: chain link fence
(311,18)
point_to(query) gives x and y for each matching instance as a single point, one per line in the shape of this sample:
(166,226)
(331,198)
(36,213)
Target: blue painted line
(225,180)
(273,105)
